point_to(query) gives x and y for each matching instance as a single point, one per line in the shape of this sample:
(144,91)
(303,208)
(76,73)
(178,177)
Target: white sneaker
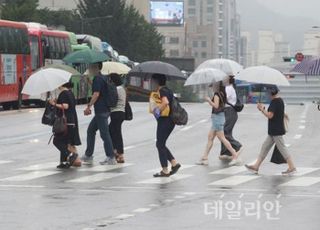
(109,161)
(235,162)
(203,162)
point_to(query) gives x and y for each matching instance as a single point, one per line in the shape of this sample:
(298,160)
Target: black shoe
(175,169)
(72,158)
(161,174)
(63,165)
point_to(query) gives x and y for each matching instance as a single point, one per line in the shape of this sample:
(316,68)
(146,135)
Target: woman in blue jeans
(164,128)
(217,130)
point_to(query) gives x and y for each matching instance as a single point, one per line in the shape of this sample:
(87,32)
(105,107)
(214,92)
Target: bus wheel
(18,103)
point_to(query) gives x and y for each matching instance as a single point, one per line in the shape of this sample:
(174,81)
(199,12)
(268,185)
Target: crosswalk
(223,177)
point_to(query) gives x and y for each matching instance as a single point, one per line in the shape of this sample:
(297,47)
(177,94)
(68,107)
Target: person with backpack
(276,130)
(100,100)
(160,107)
(66,107)
(218,119)
(231,116)
(117,118)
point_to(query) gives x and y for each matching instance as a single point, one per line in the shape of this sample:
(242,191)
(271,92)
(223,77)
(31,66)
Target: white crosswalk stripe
(304,171)
(30,176)
(230,171)
(96,177)
(165,180)
(234,180)
(183,167)
(102,168)
(5,162)
(43,166)
(302,182)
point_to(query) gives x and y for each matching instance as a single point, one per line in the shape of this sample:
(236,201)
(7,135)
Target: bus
(15,63)
(47,46)
(253,93)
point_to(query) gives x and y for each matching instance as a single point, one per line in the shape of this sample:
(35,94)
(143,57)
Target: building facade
(312,43)
(58,4)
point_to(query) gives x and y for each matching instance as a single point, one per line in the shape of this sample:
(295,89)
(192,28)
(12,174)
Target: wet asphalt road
(35,195)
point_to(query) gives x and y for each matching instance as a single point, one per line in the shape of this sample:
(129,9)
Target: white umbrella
(228,66)
(45,80)
(206,76)
(113,67)
(263,75)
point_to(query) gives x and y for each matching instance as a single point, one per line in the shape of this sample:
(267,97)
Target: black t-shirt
(99,85)
(276,124)
(221,104)
(67,97)
(166,92)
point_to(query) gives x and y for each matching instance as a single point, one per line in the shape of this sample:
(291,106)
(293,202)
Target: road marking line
(96,178)
(103,168)
(130,147)
(183,167)
(230,171)
(303,171)
(44,166)
(142,210)
(165,180)
(234,180)
(154,205)
(187,128)
(189,193)
(303,121)
(302,182)
(21,186)
(302,127)
(298,136)
(179,197)
(168,201)
(5,162)
(124,216)
(31,176)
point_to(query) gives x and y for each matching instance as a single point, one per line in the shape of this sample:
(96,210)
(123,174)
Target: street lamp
(86,20)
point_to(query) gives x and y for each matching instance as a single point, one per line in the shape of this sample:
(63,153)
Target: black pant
(61,143)
(164,129)
(231,119)
(115,128)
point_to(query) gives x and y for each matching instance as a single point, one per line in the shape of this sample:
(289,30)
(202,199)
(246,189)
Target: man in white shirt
(231,119)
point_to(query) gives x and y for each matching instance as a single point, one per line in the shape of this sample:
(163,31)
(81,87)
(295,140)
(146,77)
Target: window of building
(195,54)
(174,40)
(192,2)
(195,44)
(204,55)
(192,11)
(210,10)
(203,44)
(174,53)
(210,2)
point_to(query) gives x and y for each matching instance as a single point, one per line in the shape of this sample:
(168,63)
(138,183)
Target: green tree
(19,10)
(127,31)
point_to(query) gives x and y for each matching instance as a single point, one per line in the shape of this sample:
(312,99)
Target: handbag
(238,107)
(277,157)
(60,125)
(128,116)
(49,115)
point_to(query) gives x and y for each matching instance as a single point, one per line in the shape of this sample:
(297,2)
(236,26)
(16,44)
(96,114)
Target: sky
(303,8)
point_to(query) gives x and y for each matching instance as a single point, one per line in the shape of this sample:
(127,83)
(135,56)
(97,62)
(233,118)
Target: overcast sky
(303,8)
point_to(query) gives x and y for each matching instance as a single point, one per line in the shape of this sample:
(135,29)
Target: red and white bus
(47,46)
(15,62)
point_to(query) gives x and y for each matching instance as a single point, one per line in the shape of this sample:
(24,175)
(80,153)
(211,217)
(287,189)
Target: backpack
(111,94)
(178,114)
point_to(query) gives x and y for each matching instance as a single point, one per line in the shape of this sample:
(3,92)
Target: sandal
(120,158)
(161,174)
(175,169)
(72,158)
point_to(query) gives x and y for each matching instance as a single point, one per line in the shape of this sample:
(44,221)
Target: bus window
(68,45)
(3,40)
(52,54)
(12,40)
(35,59)
(25,42)
(58,48)
(63,48)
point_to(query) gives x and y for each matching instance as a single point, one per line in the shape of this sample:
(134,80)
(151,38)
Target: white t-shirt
(122,96)
(231,95)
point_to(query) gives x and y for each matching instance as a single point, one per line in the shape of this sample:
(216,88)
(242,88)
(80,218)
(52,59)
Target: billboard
(167,13)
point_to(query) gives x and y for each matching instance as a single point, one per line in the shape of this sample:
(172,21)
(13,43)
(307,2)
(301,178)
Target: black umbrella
(157,67)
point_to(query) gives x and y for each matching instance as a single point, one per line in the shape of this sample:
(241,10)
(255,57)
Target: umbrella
(228,66)
(113,67)
(263,75)
(206,76)
(157,67)
(45,80)
(86,56)
(63,67)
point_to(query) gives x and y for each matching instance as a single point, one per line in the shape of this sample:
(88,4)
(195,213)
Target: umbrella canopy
(206,76)
(63,67)
(157,67)
(45,80)
(113,67)
(86,56)
(263,75)
(228,66)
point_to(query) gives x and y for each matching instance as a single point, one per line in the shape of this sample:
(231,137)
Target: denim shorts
(218,121)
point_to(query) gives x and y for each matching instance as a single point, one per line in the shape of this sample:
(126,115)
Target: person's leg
(62,145)
(103,126)
(117,140)
(265,149)
(91,137)
(226,143)
(231,117)
(284,151)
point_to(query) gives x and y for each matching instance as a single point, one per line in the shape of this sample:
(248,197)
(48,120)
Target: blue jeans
(99,122)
